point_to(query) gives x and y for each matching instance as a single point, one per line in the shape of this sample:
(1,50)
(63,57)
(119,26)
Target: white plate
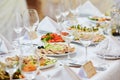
(58,55)
(49,65)
(110,57)
(62,54)
(94,21)
(92,44)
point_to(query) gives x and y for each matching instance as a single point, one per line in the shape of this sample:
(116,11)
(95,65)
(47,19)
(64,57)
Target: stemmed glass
(68,37)
(74,6)
(67,34)
(29,62)
(65,8)
(85,37)
(18,23)
(18,26)
(31,20)
(11,62)
(58,17)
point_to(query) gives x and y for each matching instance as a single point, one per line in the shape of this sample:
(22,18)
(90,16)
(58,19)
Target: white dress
(7,10)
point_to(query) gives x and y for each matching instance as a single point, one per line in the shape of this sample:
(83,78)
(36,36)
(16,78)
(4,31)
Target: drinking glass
(67,38)
(58,17)
(74,6)
(29,62)
(31,19)
(58,12)
(67,34)
(10,61)
(65,8)
(18,23)
(85,37)
(18,27)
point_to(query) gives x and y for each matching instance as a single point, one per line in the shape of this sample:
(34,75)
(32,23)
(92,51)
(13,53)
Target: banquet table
(58,72)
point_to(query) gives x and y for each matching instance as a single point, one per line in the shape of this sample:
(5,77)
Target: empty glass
(29,62)
(31,19)
(85,37)
(11,62)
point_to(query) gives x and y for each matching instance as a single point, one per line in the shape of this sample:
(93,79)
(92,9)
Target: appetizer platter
(96,39)
(97,19)
(47,62)
(51,37)
(56,49)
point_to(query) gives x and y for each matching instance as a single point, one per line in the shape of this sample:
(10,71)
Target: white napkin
(88,9)
(109,46)
(48,25)
(60,74)
(3,48)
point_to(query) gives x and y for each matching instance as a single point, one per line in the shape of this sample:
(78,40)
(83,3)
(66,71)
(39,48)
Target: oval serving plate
(62,54)
(52,63)
(109,57)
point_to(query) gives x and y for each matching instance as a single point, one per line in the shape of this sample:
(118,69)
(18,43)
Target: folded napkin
(88,9)
(61,73)
(109,46)
(48,25)
(3,48)
(73,75)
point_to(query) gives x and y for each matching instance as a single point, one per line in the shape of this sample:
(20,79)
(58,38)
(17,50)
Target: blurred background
(43,7)
(46,7)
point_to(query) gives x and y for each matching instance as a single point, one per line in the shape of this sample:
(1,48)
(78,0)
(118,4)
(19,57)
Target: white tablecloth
(58,72)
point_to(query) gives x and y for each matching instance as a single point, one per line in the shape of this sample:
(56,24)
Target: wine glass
(85,37)
(74,7)
(67,34)
(11,62)
(31,20)
(18,23)
(65,8)
(58,17)
(29,62)
(18,27)
(58,12)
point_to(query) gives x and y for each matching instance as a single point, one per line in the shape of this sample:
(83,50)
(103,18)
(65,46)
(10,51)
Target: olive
(40,47)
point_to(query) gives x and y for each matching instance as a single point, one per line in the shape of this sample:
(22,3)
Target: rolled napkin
(88,9)
(109,47)
(47,25)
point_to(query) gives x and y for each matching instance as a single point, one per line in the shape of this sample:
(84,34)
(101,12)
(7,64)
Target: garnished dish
(99,19)
(29,64)
(52,37)
(56,49)
(81,29)
(97,38)
(46,62)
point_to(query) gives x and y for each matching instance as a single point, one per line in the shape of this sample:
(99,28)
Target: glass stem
(86,53)
(68,56)
(10,76)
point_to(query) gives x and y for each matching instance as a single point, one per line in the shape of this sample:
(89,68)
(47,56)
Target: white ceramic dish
(62,54)
(110,57)
(49,65)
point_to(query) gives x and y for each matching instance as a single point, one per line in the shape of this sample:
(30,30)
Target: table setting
(74,48)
